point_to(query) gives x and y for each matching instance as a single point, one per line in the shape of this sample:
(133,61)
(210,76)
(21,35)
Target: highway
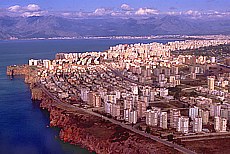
(72,108)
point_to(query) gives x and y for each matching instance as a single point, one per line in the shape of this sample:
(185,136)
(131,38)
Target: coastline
(91,132)
(150,37)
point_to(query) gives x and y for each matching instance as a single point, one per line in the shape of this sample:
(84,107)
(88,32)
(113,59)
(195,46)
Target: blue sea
(23,125)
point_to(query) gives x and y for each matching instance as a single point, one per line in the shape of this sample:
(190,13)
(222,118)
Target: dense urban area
(175,93)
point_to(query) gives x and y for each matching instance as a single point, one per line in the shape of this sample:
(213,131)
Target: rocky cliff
(98,135)
(29,72)
(36,93)
(31,78)
(17,70)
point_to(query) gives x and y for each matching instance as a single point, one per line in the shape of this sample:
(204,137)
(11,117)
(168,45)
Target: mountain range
(54,26)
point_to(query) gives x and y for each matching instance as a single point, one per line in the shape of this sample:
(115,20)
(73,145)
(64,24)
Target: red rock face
(98,135)
(17,70)
(36,93)
(27,71)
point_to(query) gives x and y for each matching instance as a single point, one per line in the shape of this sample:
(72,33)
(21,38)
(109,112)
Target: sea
(23,125)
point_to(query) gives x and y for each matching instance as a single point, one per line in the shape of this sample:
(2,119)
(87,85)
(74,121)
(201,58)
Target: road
(206,135)
(190,88)
(72,108)
(205,138)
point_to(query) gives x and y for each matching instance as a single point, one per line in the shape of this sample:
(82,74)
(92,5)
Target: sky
(114,7)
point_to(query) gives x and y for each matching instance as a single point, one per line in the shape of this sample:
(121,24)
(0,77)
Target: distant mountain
(52,26)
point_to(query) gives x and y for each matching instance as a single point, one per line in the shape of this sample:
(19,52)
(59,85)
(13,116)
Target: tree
(170,137)
(193,94)
(177,95)
(148,130)
(140,128)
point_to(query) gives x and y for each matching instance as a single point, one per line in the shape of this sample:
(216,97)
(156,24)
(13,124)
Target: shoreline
(151,37)
(90,132)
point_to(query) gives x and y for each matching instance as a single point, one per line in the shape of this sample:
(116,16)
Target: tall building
(197,124)
(84,94)
(205,117)
(213,59)
(33,62)
(135,89)
(220,124)
(126,114)
(46,63)
(215,110)
(116,110)
(175,70)
(152,95)
(163,120)
(111,98)
(118,94)
(127,104)
(174,115)
(211,82)
(146,91)
(97,102)
(161,77)
(223,125)
(182,124)
(224,113)
(94,99)
(146,99)
(91,98)
(193,112)
(152,117)
(108,107)
(217,124)
(133,117)
(141,109)
(172,81)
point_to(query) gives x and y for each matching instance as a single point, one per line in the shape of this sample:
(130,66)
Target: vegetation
(148,129)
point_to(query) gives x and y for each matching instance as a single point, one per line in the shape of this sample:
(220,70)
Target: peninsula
(138,98)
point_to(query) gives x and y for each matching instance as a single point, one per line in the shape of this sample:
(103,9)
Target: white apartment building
(152,117)
(220,124)
(193,112)
(197,124)
(163,120)
(211,83)
(133,117)
(182,124)
(174,116)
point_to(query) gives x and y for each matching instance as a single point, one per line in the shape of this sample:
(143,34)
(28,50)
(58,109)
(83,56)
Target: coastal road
(72,108)
(204,138)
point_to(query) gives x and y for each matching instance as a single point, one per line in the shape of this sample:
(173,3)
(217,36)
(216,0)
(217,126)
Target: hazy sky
(91,5)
